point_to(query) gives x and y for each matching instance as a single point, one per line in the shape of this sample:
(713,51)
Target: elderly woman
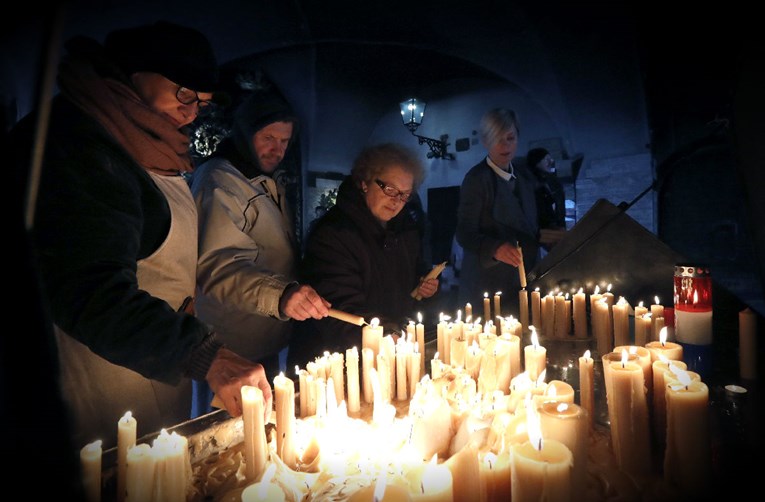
(365,254)
(496,213)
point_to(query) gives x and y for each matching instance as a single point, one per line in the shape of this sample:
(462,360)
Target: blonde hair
(495,123)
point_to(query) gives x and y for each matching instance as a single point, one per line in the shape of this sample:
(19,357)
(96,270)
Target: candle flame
(486,294)
(459,315)
(297,369)
(498,293)
(419,317)
(587,354)
(550,391)
(534,338)
(567,295)
(374,322)
(695,296)
(663,336)
(435,356)
(94,447)
(561,407)
(490,460)
(541,378)
(534,427)
(580,292)
(682,376)
(597,290)
(624,357)
(640,303)
(126,417)
(622,301)
(656,300)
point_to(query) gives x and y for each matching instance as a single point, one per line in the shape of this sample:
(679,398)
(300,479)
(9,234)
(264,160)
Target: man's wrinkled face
(270,143)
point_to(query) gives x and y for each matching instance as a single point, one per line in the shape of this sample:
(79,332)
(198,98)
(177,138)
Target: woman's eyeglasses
(189,97)
(393,192)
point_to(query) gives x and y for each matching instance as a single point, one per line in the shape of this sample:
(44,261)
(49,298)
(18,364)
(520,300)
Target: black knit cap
(534,156)
(259,109)
(178,53)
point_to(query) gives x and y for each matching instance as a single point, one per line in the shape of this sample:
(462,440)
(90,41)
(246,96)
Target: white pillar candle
(371,334)
(687,458)
(302,375)
(693,327)
(630,433)
(284,404)
(486,308)
(402,386)
(497,307)
(465,473)
(642,328)
(457,351)
(352,373)
(515,354)
(580,314)
(560,329)
(541,474)
(420,335)
(337,361)
(495,475)
(644,360)
(172,467)
(587,385)
(255,447)
(660,369)
(139,477)
(621,322)
(523,302)
(548,315)
(368,362)
(126,437)
(657,310)
(90,463)
(568,423)
(536,309)
(535,357)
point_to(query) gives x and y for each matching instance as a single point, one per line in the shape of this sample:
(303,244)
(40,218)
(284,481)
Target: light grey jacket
(246,257)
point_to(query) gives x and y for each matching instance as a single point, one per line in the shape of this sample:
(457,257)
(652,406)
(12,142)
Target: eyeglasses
(393,192)
(189,97)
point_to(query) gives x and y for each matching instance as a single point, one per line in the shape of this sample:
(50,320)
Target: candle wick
(422,487)
(540,444)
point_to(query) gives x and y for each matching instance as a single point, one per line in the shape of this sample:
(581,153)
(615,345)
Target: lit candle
(420,335)
(556,391)
(621,322)
(497,307)
(264,490)
(126,437)
(644,360)
(255,447)
(172,466)
(486,306)
(630,433)
(580,314)
(523,303)
(541,469)
(535,357)
(594,298)
(587,385)
(352,373)
(657,310)
(603,327)
(458,352)
(415,363)
(669,350)
(337,361)
(435,484)
(90,461)
(536,309)
(568,423)
(515,354)
(468,312)
(495,474)
(521,267)
(687,457)
(435,367)
(371,334)
(284,403)
(661,374)
(402,386)
(302,375)
(139,478)
(747,344)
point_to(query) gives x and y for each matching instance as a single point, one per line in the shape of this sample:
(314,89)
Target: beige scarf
(149,138)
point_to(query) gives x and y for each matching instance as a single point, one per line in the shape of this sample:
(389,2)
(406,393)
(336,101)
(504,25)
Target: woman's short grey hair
(495,123)
(373,160)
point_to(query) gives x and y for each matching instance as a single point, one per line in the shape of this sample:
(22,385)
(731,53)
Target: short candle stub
(735,390)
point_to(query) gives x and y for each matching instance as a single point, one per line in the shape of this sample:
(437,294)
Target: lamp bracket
(437,147)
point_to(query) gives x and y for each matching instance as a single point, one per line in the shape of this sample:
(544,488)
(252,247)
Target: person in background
(365,254)
(247,269)
(550,197)
(496,213)
(115,231)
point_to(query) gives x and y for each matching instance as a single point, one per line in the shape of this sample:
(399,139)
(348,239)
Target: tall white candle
(535,357)
(580,314)
(139,477)
(497,307)
(172,467)
(523,302)
(255,447)
(536,309)
(90,461)
(126,437)
(352,372)
(587,385)
(486,308)
(630,432)
(420,332)
(284,403)
(371,334)
(621,322)
(368,363)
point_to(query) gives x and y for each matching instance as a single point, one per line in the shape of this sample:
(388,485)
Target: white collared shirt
(505,175)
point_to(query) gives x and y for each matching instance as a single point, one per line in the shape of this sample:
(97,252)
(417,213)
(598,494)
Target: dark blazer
(492,211)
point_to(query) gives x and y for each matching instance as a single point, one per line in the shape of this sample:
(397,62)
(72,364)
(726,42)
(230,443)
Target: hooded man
(246,287)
